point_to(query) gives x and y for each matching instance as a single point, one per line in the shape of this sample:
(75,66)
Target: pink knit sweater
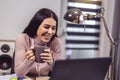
(24,66)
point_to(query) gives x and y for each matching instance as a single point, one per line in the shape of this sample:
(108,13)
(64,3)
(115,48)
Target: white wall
(16,14)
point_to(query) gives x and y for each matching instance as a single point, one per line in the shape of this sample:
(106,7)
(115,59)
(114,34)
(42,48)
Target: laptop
(81,69)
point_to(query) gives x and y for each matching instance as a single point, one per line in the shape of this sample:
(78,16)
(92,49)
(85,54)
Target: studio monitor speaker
(7,48)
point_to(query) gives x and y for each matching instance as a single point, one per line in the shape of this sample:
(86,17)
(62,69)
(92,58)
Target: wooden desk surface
(42,78)
(38,78)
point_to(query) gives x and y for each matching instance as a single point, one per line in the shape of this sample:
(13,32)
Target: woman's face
(47,29)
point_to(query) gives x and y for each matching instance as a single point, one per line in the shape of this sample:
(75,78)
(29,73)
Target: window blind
(78,36)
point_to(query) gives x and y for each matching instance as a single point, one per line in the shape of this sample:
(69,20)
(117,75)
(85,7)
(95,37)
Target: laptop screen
(81,69)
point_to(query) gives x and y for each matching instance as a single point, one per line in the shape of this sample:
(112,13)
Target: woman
(41,31)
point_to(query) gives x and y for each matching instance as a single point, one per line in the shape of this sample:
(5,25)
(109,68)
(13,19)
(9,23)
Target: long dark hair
(37,19)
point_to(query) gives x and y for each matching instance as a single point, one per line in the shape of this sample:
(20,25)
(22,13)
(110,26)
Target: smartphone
(38,50)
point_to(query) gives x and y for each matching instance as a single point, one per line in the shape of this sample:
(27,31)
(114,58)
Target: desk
(14,77)
(38,78)
(7,77)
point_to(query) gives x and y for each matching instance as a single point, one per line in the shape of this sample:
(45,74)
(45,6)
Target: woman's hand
(30,55)
(47,56)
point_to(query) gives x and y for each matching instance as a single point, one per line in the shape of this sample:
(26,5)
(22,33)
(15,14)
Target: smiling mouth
(47,37)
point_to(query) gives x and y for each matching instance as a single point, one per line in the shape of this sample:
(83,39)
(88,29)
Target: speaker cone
(5,62)
(5,48)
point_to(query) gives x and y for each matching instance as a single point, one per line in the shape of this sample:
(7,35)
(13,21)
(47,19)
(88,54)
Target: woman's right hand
(30,55)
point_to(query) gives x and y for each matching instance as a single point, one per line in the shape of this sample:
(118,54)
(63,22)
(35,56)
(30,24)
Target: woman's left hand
(47,56)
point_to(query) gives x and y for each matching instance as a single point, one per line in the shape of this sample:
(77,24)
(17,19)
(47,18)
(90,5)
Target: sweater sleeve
(22,65)
(57,50)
